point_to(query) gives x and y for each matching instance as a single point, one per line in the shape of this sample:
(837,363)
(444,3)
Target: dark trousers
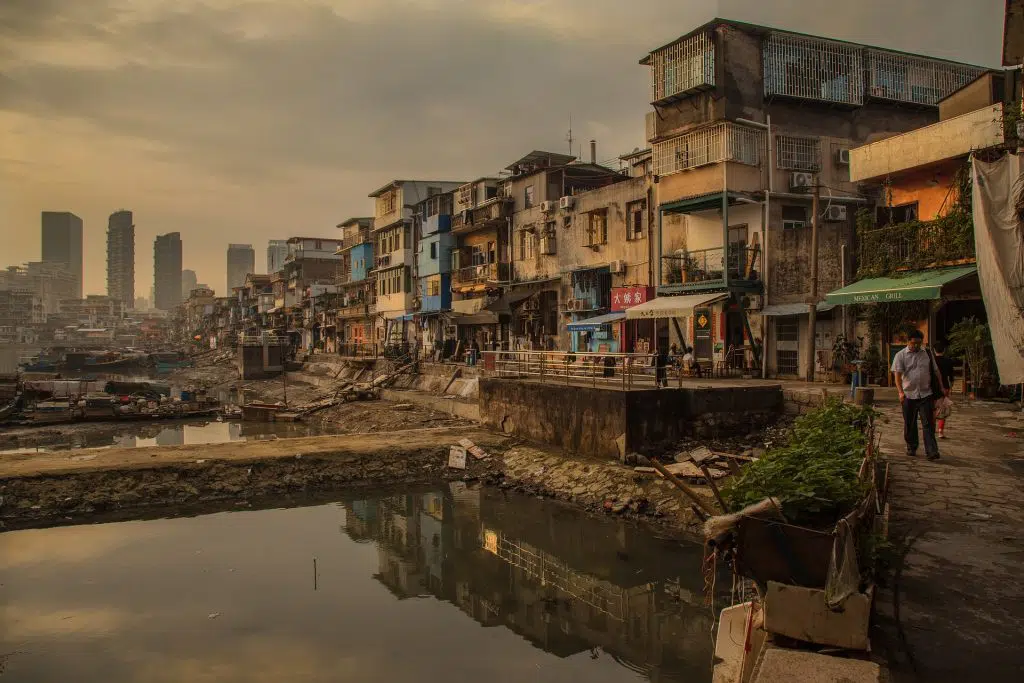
(925,408)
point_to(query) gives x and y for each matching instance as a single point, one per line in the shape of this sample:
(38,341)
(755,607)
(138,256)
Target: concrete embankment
(68,487)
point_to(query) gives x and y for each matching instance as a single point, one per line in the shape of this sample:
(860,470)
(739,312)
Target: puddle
(458,584)
(100,435)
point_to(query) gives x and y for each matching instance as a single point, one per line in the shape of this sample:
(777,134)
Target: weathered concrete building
(480,261)
(922,225)
(394,251)
(311,261)
(746,121)
(357,305)
(564,243)
(167,271)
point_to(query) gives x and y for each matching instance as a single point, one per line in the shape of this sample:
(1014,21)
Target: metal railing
(708,266)
(609,370)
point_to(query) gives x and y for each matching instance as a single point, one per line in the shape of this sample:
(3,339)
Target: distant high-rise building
(241,262)
(277,252)
(189,281)
(141,303)
(167,271)
(62,243)
(121,257)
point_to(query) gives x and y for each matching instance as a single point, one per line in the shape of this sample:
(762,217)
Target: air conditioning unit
(835,213)
(618,266)
(801,181)
(531,304)
(567,202)
(547,246)
(548,207)
(843,157)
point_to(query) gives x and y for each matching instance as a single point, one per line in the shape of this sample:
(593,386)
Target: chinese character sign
(627,297)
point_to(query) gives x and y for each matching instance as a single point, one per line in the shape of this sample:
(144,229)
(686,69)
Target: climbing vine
(915,245)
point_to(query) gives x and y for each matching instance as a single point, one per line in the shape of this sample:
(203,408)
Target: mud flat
(43,489)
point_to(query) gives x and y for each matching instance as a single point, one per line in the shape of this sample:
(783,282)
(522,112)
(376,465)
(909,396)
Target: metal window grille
(466,195)
(905,78)
(798,154)
(710,145)
(812,68)
(683,66)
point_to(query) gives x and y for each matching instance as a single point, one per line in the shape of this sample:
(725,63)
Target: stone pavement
(952,607)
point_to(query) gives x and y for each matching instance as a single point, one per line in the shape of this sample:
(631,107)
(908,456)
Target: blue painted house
(433,266)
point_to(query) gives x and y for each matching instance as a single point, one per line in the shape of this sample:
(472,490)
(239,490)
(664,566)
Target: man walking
(914,369)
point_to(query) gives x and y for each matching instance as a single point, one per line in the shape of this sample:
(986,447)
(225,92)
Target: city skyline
(225,172)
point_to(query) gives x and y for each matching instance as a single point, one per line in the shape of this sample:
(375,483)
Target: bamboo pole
(698,500)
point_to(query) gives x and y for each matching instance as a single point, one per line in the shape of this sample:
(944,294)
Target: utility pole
(812,310)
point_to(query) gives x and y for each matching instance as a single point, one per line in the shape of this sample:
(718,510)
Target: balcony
(353,241)
(917,245)
(955,137)
(478,276)
(682,68)
(709,145)
(382,261)
(489,214)
(705,270)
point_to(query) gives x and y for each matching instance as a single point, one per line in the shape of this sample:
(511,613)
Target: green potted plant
(874,367)
(971,340)
(844,352)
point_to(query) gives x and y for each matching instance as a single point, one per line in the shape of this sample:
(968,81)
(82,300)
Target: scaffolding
(709,145)
(683,66)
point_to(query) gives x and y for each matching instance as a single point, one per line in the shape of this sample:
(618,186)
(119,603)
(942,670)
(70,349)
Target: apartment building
(394,252)
(432,224)
(357,305)
(167,271)
(121,257)
(241,260)
(746,121)
(312,262)
(62,244)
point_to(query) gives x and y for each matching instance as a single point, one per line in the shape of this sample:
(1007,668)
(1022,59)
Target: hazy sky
(247,120)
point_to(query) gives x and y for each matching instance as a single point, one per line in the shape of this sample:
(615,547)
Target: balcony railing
(482,274)
(487,214)
(706,268)
(915,245)
(356,310)
(382,261)
(709,145)
(353,241)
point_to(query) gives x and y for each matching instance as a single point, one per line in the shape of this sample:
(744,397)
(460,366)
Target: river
(162,433)
(451,584)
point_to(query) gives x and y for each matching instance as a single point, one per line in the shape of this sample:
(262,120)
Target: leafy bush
(814,476)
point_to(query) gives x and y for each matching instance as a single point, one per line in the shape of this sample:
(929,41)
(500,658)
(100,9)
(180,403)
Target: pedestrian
(945,365)
(914,370)
(661,367)
(690,363)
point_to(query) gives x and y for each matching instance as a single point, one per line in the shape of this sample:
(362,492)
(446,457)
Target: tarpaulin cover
(999,243)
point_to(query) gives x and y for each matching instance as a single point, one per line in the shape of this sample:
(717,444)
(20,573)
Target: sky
(248,120)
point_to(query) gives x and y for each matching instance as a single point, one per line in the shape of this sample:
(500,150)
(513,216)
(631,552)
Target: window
(528,197)
(434,286)
(477,256)
(894,215)
(431,191)
(433,250)
(794,217)
(525,244)
(386,203)
(597,228)
(318,245)
(787,354)
(635,219)
(798,154)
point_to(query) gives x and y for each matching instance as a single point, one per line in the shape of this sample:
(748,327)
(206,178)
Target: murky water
(451,585)
(100,435)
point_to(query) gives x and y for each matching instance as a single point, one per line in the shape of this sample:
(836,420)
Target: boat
(168,361)
(12,408)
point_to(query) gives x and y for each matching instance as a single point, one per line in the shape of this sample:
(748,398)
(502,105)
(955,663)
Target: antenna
(568,135)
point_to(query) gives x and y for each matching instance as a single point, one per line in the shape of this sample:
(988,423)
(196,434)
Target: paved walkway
(953,606)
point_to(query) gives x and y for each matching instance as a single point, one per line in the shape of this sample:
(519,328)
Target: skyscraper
(167,270)
(277,252)
(241,262)
(121,257)
(189,281)
(62,243)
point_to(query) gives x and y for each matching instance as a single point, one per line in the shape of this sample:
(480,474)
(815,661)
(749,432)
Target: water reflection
(567,583)
(130,435)
(551,596)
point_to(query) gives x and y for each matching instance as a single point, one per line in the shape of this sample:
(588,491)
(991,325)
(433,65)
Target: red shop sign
(627,297)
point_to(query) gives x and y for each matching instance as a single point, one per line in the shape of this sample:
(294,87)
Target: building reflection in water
(568,583)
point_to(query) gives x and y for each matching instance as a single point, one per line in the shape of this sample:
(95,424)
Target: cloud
(246,120)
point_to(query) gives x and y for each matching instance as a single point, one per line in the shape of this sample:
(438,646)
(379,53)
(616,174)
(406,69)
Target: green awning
(920,285)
